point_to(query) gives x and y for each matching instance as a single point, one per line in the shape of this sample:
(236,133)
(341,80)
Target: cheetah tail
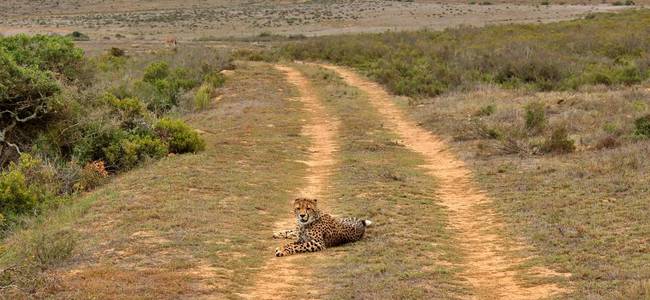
(366,222)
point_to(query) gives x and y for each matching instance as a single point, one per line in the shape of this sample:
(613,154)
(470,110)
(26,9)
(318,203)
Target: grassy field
(608,49)
(117,21)
(585,212)
(552,120)
(566,168)
(409,252)
(188,225)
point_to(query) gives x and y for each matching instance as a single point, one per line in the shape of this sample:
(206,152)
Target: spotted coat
(316,231)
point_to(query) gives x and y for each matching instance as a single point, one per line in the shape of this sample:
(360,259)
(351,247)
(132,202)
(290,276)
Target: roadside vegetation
(567,170)
(602,49)
(188,226)
(68,121)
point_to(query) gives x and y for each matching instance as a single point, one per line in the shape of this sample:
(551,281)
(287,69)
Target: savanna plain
(150,149)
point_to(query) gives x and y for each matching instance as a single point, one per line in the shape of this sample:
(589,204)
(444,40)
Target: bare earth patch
(278,276)
(491,273)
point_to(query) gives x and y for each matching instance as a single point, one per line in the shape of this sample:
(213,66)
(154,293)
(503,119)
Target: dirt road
(486,267)
(280,275)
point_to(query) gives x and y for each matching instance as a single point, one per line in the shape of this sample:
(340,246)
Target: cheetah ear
(315,200)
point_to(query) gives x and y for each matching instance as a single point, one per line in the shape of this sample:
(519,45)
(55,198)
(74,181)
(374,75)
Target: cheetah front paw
(279,252)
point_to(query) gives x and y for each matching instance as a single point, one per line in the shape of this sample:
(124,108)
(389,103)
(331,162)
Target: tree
(31,69)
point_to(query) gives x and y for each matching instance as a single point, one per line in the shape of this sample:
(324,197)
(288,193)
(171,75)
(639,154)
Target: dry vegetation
(410,253)
(69,123)
(609,49)
(585,212)
(567,167)
(188,225)
(117,20)
(553,119)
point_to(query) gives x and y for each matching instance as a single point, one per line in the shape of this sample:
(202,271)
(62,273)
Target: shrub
(96,136)
(161,86)
(31,69)
(116,52)
(608,142)
(49,247)
(156,71)
(203,97)
(558,142)
(535,117)
(78,36)
(131,111)
(486,111)
(214,79)
(179,137)
(92,175)
(130,151)
(642,126)
(16,196)
(44,53)
(23,188)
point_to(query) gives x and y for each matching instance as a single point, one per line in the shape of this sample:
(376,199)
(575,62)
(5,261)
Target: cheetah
(316,231)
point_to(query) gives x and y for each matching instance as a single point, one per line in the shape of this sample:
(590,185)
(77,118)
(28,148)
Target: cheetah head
(305,210)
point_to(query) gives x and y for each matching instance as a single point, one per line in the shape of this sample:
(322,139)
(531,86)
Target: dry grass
(408,252)
(585,213)
(187,225)
(119,20)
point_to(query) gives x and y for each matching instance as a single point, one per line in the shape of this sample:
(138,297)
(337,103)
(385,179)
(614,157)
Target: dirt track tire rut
(486,268)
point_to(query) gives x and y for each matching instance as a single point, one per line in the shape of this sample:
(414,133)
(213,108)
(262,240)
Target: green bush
(161,86)
(129,151)
(16,196)
(130,111)
(24,187)
(179,137)
(642,126)
(214,79)
(44,53)
(24,87)
(156,71)
(203,97)
(535,117)
(33,74)
(558,142)
(95,136)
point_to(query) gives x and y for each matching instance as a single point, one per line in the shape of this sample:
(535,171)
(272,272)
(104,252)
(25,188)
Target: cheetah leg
(298,247)
(286,234)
